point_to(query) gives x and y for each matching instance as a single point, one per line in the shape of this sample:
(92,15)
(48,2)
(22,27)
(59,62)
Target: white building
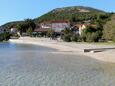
(81,28)
(13,30)
(45,25)
(58,26)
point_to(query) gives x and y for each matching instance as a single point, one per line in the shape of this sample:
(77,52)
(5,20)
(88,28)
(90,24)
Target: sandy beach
(71,48)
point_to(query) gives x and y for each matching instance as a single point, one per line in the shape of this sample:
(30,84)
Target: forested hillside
(72,14)
(76,13)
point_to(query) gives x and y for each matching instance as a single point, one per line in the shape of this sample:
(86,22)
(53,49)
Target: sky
(15,10)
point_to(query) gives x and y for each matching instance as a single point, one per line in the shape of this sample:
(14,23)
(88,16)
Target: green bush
(92,37)
(4,36)
(109,30)
(75,38)
(67,38)
(89,37)
(50,33)
(29,31)
(83,36)
(95,37)
(91,34)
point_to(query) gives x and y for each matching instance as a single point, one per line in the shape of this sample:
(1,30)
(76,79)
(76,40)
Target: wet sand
(53,68)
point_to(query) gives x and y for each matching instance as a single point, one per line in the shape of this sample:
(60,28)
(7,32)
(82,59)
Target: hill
(76,13)
(73,14)
(77,9)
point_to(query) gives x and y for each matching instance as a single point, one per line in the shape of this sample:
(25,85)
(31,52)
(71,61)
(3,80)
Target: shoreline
(70,48)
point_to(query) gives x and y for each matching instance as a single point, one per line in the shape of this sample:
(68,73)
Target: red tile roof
(41,30)
(60,21)
(56,21)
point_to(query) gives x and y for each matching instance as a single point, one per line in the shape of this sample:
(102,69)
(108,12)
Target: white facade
(46,25)
(81,28)
(58,27)
(13,30)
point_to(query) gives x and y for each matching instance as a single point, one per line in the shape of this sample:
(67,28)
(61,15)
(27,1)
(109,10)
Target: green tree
(50,33)
(4,36)
(29,31)
(83,35)
(109,29)
(20,28)
(67,35)
(90,34)
(29,23)
(25,25)
(75,38)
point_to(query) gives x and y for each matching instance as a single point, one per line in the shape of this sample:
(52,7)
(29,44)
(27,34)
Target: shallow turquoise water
(30,65)
(22,47)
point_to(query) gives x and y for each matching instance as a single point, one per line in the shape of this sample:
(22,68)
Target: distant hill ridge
(67,13)
(77,9)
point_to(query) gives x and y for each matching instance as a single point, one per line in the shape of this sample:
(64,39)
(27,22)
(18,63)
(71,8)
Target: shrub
(89,37)
(4,36)
(67,38)
(29,31)
(83,36)
(50,33)
(92,37)
(95,37)
(75,38)
(109,30)
(91,34)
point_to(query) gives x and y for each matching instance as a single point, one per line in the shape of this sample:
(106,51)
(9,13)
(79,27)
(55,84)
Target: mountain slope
(74,13)
(76,9)
(68,13)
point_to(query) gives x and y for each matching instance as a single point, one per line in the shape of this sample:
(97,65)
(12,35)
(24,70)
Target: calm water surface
(30,65)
